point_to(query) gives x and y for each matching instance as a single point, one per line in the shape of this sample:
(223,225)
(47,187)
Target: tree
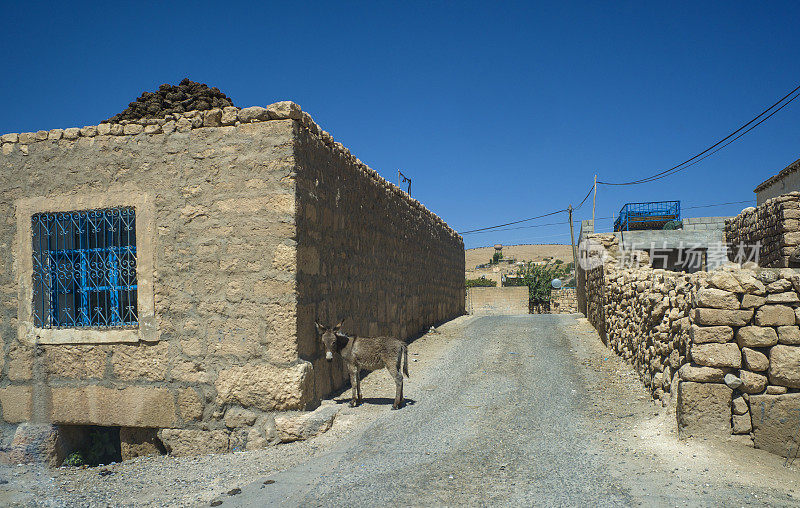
(538,278)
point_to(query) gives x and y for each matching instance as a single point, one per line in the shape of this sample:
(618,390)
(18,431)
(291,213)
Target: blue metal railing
(649,215)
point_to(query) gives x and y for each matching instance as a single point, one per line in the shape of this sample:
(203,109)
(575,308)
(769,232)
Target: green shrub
(481,282)
(74,459)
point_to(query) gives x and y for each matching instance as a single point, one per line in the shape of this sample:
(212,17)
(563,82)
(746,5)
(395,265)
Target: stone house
(162,276)
(788,180)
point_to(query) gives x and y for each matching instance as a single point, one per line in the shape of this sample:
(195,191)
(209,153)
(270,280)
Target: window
(84,269)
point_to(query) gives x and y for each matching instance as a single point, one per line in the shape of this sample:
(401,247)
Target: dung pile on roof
(187,96)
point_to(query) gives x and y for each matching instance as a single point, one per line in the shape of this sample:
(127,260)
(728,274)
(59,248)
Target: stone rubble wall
(563,301)
(498,301)
(775,224)
(262,224)
(723,346)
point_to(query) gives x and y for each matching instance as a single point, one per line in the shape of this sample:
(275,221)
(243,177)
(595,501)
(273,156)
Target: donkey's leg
(398,381)
(354,385)
(358,384)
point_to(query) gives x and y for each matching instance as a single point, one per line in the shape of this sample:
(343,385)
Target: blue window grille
(84,269)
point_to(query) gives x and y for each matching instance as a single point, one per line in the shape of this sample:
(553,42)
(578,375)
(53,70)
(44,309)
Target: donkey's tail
(405,361)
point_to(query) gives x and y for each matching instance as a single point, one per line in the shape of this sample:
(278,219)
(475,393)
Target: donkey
(368,353)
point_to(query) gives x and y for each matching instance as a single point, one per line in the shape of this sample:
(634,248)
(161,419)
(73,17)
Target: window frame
(144,210)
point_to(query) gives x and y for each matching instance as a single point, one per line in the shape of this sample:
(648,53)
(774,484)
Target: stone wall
(715,344)
(563,301)
(251,223)
(775,225)
(507,300)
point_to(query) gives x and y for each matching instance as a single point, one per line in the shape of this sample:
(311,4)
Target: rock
(749,283)
(306,425)
(230,115)
(779,286)
(253,114)
(262,434)
(266,387)
(784,366)
(183,125)
(152,129)
(732,381)
(756,336)
(754,360)
(775,315)
(37,443)
(717,355)
(72,133)
(168,127)
(700,374)
(9,138)
(139,442)
(132,129)
(283,110)
(740,405)
(742,424)
(116,129)
(132,406)
(704,409)
(55,134)
(725,281)
(789,298)
(713,317)
(751,382)
(104,129)
(89,131)
(190,404)
(239,417)
(775,422)
(212,118)
(706,334)
(27,138)
(717,299)
(42,135)
(752,301)
(776,390)
(182,442)
(789,335)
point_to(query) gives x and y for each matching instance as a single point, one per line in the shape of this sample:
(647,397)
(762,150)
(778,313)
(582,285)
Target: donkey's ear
(337,327)
(319,327)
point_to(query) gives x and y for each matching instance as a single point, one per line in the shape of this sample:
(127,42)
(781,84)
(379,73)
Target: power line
(700,156)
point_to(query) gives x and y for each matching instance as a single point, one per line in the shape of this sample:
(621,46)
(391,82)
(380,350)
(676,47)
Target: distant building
(787,180)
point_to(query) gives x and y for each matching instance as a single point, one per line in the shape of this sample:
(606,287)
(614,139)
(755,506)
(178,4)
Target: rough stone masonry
(250,224)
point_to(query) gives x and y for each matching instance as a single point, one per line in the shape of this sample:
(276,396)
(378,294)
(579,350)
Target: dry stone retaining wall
(563,301)
(724,346)
(775,225)
(258,222)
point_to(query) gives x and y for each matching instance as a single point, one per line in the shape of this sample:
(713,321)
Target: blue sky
(498,111)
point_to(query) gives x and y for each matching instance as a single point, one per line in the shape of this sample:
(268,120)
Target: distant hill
(480,255)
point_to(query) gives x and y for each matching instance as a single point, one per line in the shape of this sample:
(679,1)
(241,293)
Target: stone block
(140,361)
(700,374)
(139,442)
(756,336)
(266,387)
(715,317)
(717,355)
(190,404)
(739,405)
(752,301)
(133,406)
(776,390)
(704,409)
(9,138)
(262,434)
(742,424)
(184,442)
(754,360)
(19,362)
(230,115)
(284,110)
(42,135)
(306,425)
(775,315)
(76,361)
(72,133)
(104,129)
(132,129)
(152,129)
(787,298)
(89,131)
(776,425)
(212,118)
(784,366)
(16,403)
(238,417)
(706,334)
(789,335)
(35,443)
(752,383)
(27,138)
(717,299)
(253,114)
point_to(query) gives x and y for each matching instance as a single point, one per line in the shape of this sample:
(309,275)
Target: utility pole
(594,204)
(572,237)
(403,178)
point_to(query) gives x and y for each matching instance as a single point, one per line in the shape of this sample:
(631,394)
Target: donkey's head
(328,336)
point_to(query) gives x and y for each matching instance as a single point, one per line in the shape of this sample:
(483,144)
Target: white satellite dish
(556,283)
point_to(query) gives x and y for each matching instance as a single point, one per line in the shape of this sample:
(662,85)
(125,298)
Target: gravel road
(509,410)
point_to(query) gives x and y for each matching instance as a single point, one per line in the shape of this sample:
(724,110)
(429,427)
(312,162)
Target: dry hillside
(474,257)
